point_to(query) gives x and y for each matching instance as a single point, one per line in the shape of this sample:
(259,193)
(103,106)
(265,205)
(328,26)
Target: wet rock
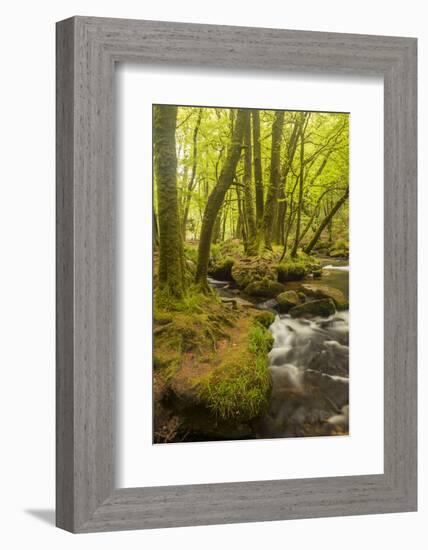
(322,308)
(265,288)
(217,284)
(286,300)
(302,296)
(335,389)
(340,421)
(324,291)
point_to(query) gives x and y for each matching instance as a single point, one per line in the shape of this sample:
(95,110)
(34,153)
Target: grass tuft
(239,388)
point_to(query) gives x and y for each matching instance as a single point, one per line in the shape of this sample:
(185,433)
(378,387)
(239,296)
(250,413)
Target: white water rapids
(309,369)
(309,366)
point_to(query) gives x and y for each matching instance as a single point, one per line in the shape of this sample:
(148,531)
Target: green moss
(250,270)
(324,291)
(191,252)
(238,390)
(221,268)
(165,358)
(193,301)
(321,308)
(286,300)
(291,271)
(295,269)
(339,249)
(193,323)
(162,317)
(215,251)
(265,318)
(266,288)
(231,247)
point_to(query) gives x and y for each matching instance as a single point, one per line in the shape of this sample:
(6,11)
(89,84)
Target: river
(309,365)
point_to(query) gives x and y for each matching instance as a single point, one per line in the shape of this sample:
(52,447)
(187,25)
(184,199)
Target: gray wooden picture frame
(87,50)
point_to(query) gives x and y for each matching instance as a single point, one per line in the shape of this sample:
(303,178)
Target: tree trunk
(282,202)
(242,226)
(258,173)
(300,200)
(171,258)
(191,184)
(326,221)
(217,195)
(217,228)
(248,194)
(155,230)
(223,231)
(275,175)
(314,214)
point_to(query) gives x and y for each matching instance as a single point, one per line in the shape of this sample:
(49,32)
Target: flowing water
(309,365)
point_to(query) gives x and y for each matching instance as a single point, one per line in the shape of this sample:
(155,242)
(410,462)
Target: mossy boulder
(231,247)
(316,308)
(324,291)
(248,270)
(291,271)
(221,269)
(296,269)
(286,300)
(265,288)
(301,295)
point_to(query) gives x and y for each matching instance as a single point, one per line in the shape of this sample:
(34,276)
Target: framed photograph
(236,274)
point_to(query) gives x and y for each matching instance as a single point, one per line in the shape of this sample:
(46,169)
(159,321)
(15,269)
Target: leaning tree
(217,195)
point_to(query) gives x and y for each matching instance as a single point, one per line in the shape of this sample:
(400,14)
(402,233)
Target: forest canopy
(268,178)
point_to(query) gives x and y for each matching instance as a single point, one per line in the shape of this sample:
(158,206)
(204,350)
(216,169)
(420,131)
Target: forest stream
(310,371)
(309,366)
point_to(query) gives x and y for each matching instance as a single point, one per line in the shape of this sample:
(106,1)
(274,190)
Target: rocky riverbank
(213,373)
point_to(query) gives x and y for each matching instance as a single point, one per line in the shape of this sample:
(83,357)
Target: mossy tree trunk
(191,184)
(300,199)
(282,198)
(248,192)
(258,172)
(274,179)
(217,228)
(217,195)
(326,221)
(171,259)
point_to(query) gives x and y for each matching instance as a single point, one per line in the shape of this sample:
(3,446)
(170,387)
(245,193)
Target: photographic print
(250,274)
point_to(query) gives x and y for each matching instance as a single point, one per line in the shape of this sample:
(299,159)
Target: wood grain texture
(87,49)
